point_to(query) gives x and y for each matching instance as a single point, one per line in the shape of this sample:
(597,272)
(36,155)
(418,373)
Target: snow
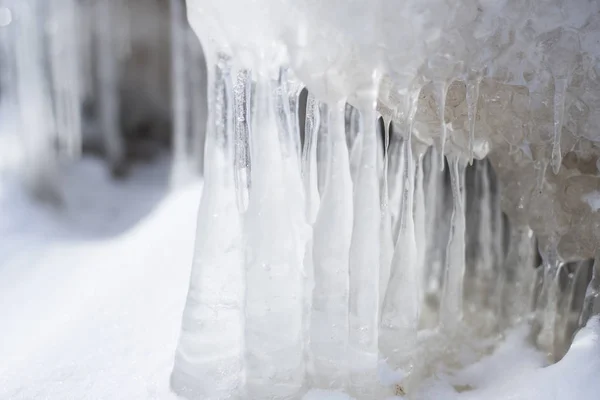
(91,300)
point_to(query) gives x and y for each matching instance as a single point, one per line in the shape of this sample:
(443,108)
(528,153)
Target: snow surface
(91,300)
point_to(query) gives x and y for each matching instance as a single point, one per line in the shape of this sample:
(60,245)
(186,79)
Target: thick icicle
(451,307)
(276,234)
(208,362)
(331,245)
(309,157)
(401,307)
(365,257)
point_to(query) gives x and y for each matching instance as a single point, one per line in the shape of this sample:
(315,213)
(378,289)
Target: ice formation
(350,251)
(392,217)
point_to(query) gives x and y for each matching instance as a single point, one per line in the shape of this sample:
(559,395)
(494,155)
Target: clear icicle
(331,245)
(560,91)
(401,307)
(451,307)
(276,234)
(323,147)
(309,157)
(485,237)
(472,99)
(356,143)
(420,212)
(241,92)
(211,334)
(387,242)
(440,92)
(591,304)
(365,259)
(434,204)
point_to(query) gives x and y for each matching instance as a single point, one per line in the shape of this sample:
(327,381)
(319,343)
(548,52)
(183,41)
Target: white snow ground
(91,301)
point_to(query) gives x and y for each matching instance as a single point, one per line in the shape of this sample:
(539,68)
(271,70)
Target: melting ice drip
(322,253)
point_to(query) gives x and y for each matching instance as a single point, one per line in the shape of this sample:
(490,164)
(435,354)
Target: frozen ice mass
(400,199)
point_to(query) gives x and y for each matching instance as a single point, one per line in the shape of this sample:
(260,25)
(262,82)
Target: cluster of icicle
(320,256)
(57,56)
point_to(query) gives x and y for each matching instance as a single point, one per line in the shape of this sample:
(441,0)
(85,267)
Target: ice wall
(343,254)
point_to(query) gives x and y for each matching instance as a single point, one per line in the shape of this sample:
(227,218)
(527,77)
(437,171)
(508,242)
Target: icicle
(34,104)
(64,61)
(420,224)
(276,234)
(365,257)
(591,305)
(486,239)
(356,143)
(433,204)
(331,245)
(323,148)
(517,274)
(386,243)
(472,98)
(179,173)
(560,91)
(401,307)
(309,161)
(547,307)
(451,305)
(440,92)
(198,103)
(242,138)
(109,84)
(292,88)
(208,362)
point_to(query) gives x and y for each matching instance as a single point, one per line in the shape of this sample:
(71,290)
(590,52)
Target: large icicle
(276,234)
(400,315)
(331,245)
(208,362)
(364,257)
(451,307)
